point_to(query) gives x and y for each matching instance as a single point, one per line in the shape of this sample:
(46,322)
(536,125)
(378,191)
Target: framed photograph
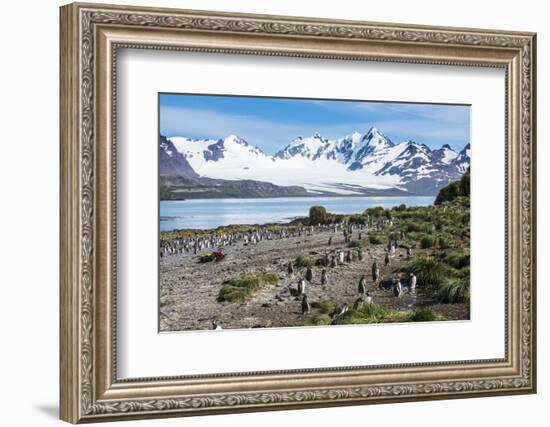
(267,213)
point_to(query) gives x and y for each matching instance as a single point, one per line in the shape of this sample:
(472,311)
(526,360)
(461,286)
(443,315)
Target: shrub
(375,239)
(454,189)
(376,212)
(357,219)
(455,290)
(395,235)
(241,288)
(321,319)
(317,214)
(327,307)
(355,244)
(402,207)
(423,315)
(458,259)
(270,278)
(407,244)
(445,241)
(429,271)
(369,313)
(302,261)
(427,242)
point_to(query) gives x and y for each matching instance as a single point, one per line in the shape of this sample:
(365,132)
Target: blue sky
(271,123)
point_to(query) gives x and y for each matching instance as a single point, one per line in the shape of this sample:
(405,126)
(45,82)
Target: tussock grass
(303,261)
(241,288)
(375,239)
(429,271)
(455,290)
(355,244)
(424,314)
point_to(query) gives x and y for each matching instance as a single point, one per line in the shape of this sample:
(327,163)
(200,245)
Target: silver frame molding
(90,37)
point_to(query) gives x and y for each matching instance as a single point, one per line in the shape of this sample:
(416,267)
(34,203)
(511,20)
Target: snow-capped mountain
(353,164)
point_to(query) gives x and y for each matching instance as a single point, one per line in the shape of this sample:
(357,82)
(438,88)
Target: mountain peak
(446,146)
(237,139)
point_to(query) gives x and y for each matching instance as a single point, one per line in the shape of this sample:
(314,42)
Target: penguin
(368,298)
(309,274)
(290,268)
(330,241)
(305,305)
(301,286)
(360,254)
(333,262)
(409,253)
(412,283)
(362,288)
(324,280)
(349,256)
(341,310)
(216,325)
(387,259)
(396,286)
(375,272)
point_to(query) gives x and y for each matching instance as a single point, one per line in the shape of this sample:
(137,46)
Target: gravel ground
(189,289)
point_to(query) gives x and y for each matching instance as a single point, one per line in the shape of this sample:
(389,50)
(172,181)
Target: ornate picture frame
(90,37)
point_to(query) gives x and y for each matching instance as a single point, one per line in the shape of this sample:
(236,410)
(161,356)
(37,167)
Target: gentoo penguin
(387,259)
(368,298)
(309,274)
(341,310)
(301,286)
(375,272)
(412,283)
(362,288)
(305,305)
(324,280)
(290,269)
(396,286)
(216,325)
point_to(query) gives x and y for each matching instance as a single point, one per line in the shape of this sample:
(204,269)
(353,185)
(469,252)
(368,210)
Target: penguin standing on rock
(305,305)
(301,286)
(324,280)
(216,325)
(362,288)
(387,259)
(396,286)
(341,310)
(375,272)
(412,283)
(368,298)
(309,274)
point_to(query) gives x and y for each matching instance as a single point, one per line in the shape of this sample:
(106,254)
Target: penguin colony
(330,260)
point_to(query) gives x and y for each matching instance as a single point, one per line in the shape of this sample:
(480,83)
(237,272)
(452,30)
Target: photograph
(287,212)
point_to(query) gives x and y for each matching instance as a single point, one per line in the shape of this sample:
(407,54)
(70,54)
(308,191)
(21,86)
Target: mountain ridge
(357,163)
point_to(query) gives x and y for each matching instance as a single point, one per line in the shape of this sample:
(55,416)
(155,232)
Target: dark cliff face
(172,163)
